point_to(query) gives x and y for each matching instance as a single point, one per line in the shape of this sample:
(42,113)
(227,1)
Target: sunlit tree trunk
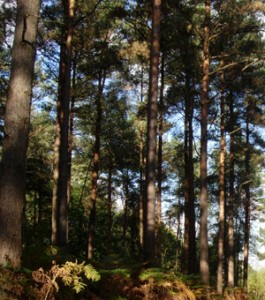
(149,230)
(61,154)
(16,132)
(247,204)
(204,259)
(221,237)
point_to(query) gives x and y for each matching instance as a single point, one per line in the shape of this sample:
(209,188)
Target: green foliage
(154,273)
(41,284)
(256,284)
(70,274)
(139,283)
(171,248)
(164,285)
(122,272)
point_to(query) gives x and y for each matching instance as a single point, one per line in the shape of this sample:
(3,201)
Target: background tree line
(138,134)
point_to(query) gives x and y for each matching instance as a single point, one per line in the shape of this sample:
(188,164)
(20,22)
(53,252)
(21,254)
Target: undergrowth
(75,281)
(44,285)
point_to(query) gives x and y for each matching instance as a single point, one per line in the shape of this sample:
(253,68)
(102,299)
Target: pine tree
(16,129)
(61,145)
(149,214)
(204,259)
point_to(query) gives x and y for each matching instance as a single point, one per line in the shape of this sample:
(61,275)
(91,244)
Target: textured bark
(61,155)
(149,228)
(221,237)
(231,258)
(247,205)
(16,130)
(204,259)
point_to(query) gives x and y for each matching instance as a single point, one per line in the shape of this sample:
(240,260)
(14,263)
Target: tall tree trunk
(247,204)
(149,230)
(141,197)
(191,206)
(160,162)
(16,130)
(204,259)
(95,166)
(125,213)
(221,237)
(142,175)
(61,155)
(71,132)
(231,256)
(189,233)
(110,169)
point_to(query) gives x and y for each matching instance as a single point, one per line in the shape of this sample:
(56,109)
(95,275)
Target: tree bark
(149,230)
(126,210)
(247,204)
(61,145)
(141,196)
(110,170)
(159,163)
(231,258)
(189,233)
(142,175)
(204,259)
(221,237)
(71,132)
(95,165)
(16,130)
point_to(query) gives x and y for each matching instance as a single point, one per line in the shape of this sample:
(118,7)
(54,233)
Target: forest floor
(115,284)
(111,281)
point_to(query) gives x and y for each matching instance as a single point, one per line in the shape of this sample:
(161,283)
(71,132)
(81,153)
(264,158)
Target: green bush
(256,284)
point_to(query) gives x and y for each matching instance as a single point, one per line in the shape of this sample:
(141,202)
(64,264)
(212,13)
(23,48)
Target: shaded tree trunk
(95,165)
(110,169)
(231,256)
(221,237)
(125,213)
(142,175)
(149,214)
(61,145)
(247,204)
(141,196)
(71,132)
(189,233)
(160,162)
(16,130)
(204,259)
